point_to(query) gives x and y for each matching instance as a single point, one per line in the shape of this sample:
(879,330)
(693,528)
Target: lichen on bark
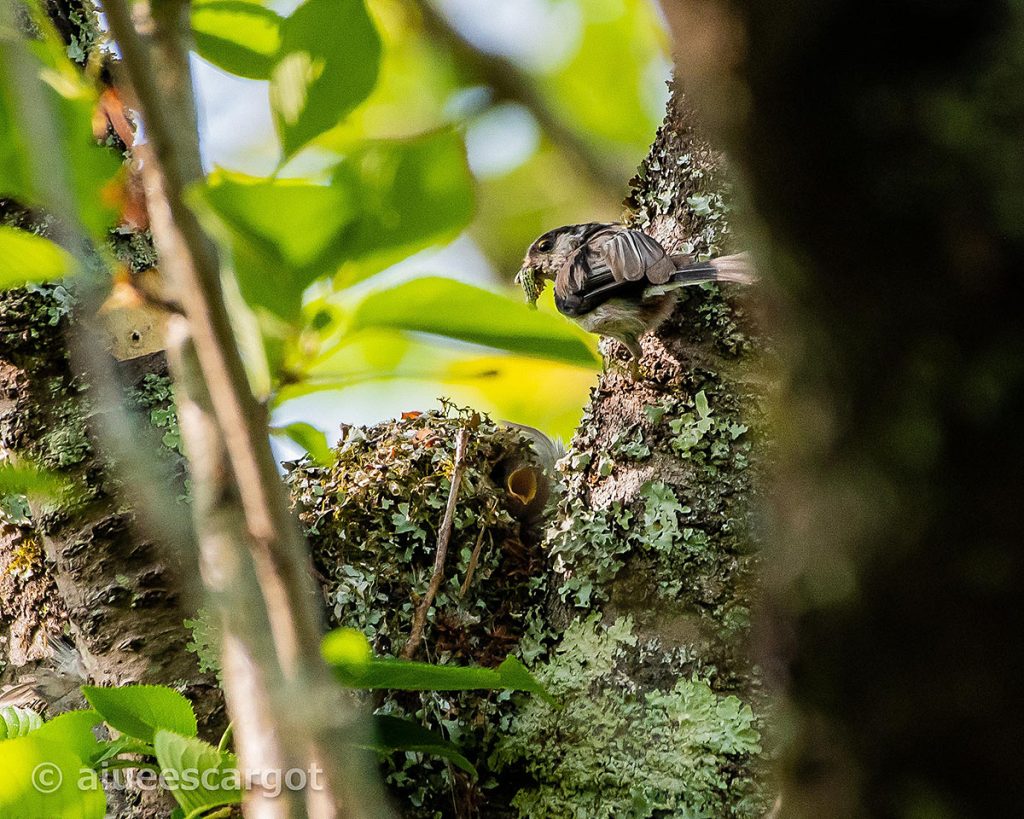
(653,546)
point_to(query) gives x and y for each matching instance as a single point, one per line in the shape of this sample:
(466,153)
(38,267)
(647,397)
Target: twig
(475,557)
(443,536)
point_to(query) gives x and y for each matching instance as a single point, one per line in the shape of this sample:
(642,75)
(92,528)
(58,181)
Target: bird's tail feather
(737,269)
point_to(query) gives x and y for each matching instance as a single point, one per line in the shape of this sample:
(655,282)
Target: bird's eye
(544,245)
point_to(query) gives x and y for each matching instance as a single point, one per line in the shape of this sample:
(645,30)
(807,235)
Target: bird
(616,281)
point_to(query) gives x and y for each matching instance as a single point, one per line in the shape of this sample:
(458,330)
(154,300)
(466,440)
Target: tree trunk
(653,553)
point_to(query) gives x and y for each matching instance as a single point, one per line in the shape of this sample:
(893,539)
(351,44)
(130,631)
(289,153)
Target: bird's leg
(632,345)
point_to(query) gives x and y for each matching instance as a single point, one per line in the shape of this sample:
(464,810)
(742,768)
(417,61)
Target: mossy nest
(373,519)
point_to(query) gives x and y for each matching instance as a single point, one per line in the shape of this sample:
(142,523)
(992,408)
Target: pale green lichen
(613,751)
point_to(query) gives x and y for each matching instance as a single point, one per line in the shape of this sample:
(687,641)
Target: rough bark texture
(887,167)
(653,553)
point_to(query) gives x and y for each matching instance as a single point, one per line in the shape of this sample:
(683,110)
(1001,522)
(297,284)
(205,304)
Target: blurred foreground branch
(287,711)
(889,176)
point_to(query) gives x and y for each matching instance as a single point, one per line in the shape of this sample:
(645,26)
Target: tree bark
(654,555)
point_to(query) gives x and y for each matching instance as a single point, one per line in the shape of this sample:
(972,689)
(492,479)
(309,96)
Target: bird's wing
(615,261)
(630,256)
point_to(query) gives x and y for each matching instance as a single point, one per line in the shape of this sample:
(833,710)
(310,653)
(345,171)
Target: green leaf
(26,257)
(73,730)
(71,99)
(279,232)
(42,779)
(16,721)
(122,745)
(515,675)
(193,783)
(240,36)
(457,310)
(412,194)
(395,734)
(309,438)
(356,669)
(328,63)
(141,710)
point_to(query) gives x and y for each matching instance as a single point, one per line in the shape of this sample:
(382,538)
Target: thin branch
(474,558)
(443,536)
(509,82)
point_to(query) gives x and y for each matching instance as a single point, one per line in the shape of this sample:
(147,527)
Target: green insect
(527,279)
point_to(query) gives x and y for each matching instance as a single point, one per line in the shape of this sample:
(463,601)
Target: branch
(255,562)
(510,82)
(443,536)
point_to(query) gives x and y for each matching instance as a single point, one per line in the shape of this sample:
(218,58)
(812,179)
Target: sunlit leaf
(141,710)
(43,779)
(328,63)
(240,36)
(411,193)
(73,730)
(70,149)
(462,311)
(619,66)
(25,257)
(282,233)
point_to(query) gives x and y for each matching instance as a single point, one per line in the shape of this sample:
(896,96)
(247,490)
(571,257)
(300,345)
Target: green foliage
(451,308)
(412,193)
(25,257)
(68,98)
(216,780)
(392,734)
(16,722)
(309,438)
(43,779)
(282,234)
(356,669)
(141,710)
(327,64)
(240,36)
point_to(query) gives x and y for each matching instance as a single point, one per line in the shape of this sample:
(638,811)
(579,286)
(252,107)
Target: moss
(614,751)
(155,395)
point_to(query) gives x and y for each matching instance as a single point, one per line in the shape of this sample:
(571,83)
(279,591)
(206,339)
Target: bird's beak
(530,279)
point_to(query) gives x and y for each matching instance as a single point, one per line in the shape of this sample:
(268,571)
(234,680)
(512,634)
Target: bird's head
(550,251)
(547,255)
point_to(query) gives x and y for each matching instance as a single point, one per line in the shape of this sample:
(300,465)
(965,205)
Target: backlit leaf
(240,36)
(25,257)
(461,311)
(328,63)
